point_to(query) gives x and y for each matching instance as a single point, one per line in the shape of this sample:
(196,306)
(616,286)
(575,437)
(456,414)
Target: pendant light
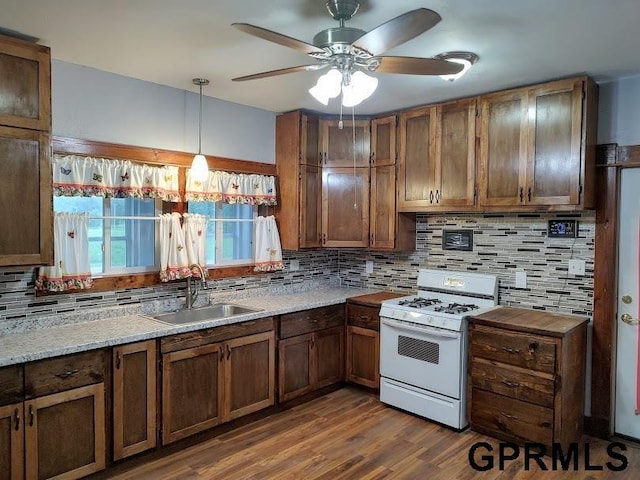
(199,165)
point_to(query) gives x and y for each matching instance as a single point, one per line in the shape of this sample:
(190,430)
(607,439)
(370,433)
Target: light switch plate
(576,267)
(294,265)
(521,279)
(368,266)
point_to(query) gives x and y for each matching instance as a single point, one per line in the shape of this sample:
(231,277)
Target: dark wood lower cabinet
(329,356)
(12,442)
(134,398)
(363,356)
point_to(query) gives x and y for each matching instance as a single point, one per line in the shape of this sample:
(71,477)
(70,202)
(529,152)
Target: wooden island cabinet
(526,375)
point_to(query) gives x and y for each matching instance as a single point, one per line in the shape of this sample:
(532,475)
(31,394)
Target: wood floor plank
(349,435)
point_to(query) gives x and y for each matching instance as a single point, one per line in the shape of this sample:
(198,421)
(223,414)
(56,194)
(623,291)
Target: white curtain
(194,227)
(74,175)
(268,256)
(71,269)
(232,188)
(174,263)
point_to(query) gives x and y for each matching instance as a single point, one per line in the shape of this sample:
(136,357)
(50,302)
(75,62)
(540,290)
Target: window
(228,242)
(118,245)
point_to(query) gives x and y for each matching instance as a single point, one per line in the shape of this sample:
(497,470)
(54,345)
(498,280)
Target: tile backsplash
(503,244)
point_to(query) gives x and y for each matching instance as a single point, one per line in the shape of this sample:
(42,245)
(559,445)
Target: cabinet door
(134,398)
(383,207)
(310,205)
(295,377)
(383,141)
(249,374)
(328,356)
(309,141)
(27,230)
(345,207)
(503,147)
(338,146)
(25,84)
(191,391)
(12,442)
(363,356)
(417,168)
(555,141)
(455,154)
(65,433)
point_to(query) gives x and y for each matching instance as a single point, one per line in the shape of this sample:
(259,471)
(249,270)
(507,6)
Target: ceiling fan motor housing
(337,36)
(342,10)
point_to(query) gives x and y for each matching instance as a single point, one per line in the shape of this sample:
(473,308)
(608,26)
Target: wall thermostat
(562,229)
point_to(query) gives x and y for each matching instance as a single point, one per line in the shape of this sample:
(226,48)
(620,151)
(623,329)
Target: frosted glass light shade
(361,87)
(327,87)
(199,168)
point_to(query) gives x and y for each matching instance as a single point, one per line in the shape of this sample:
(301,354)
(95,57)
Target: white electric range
(423,343)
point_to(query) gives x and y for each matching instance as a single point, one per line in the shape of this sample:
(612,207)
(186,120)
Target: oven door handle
(436,332)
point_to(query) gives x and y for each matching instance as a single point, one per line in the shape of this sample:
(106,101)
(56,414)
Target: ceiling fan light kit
(199,165)
(349,52)
(466,59)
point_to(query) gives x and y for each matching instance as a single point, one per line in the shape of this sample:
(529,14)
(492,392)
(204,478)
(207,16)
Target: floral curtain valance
(75,175)
(232,188)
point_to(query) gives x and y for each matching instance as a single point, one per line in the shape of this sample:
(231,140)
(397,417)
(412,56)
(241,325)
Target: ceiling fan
(349,49)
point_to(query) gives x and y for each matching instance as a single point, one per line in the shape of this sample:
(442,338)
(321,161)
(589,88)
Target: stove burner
(455,308)
(419,302)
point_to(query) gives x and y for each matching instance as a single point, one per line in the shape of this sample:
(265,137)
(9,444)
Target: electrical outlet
(368,266)
(576,267)
(521,279)
(294,265)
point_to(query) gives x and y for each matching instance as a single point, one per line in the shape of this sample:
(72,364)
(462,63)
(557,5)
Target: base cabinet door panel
(191,394)
(363,356)
(134,398)
(329,356)
(65,433)
(294,367)
(249,374)
(12,442)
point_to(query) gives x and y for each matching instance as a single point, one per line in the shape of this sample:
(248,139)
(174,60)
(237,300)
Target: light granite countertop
(61,335)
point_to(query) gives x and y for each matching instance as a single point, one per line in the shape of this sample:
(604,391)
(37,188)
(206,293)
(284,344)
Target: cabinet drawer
(64,373)
(528,351)
(513,382)
(11,384)
(208,336)
(307,321)
(364,317)
(510,419)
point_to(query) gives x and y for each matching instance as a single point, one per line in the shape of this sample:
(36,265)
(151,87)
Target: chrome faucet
(192,290)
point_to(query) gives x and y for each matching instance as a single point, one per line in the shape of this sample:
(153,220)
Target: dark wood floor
(349,434)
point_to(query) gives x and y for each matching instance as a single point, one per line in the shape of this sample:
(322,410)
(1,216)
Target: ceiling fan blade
(281,71)
(278,38)
(417,66)
(397,31)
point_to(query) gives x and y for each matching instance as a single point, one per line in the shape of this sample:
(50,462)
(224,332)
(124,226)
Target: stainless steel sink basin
(203,314)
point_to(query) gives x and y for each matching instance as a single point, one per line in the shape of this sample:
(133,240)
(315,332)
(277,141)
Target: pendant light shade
(199,165)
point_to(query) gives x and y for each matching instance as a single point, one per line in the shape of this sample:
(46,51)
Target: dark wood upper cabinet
(383,141)
(25,127)
(346,145)
(25,84)
(537,146)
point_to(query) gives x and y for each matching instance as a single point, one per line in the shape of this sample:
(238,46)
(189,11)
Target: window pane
(132,241)
(94,207)
(237,237)
(207,209)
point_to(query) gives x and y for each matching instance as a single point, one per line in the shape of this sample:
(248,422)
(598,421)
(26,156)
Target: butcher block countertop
(529,321)
(374,299)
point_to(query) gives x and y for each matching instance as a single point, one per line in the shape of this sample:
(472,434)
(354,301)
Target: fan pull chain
(353,136)
(340,122)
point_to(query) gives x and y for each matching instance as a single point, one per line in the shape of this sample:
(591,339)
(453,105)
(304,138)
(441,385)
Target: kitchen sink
(203,314)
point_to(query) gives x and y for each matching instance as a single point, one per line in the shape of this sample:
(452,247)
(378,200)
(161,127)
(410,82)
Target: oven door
(422,356)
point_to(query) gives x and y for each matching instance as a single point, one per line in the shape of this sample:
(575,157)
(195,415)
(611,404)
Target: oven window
(419,349)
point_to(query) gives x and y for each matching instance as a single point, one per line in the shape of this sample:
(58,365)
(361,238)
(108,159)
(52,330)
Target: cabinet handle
(324,238)
(228,352)
(510,417)
(437,196)
(373,157)
(118,360)
(510,384)
(529,194)
(325,158)
(16,415)
(365,317)
(511,350)
(521,195)
(430,196)
(31,415)
(312,342)
(67,373)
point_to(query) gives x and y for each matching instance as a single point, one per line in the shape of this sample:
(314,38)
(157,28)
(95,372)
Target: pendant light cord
(200,124)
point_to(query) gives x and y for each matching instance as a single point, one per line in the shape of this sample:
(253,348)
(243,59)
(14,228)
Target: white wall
(619,112)
(96,105)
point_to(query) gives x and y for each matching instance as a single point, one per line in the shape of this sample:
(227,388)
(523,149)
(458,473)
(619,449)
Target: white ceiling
(169,42)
